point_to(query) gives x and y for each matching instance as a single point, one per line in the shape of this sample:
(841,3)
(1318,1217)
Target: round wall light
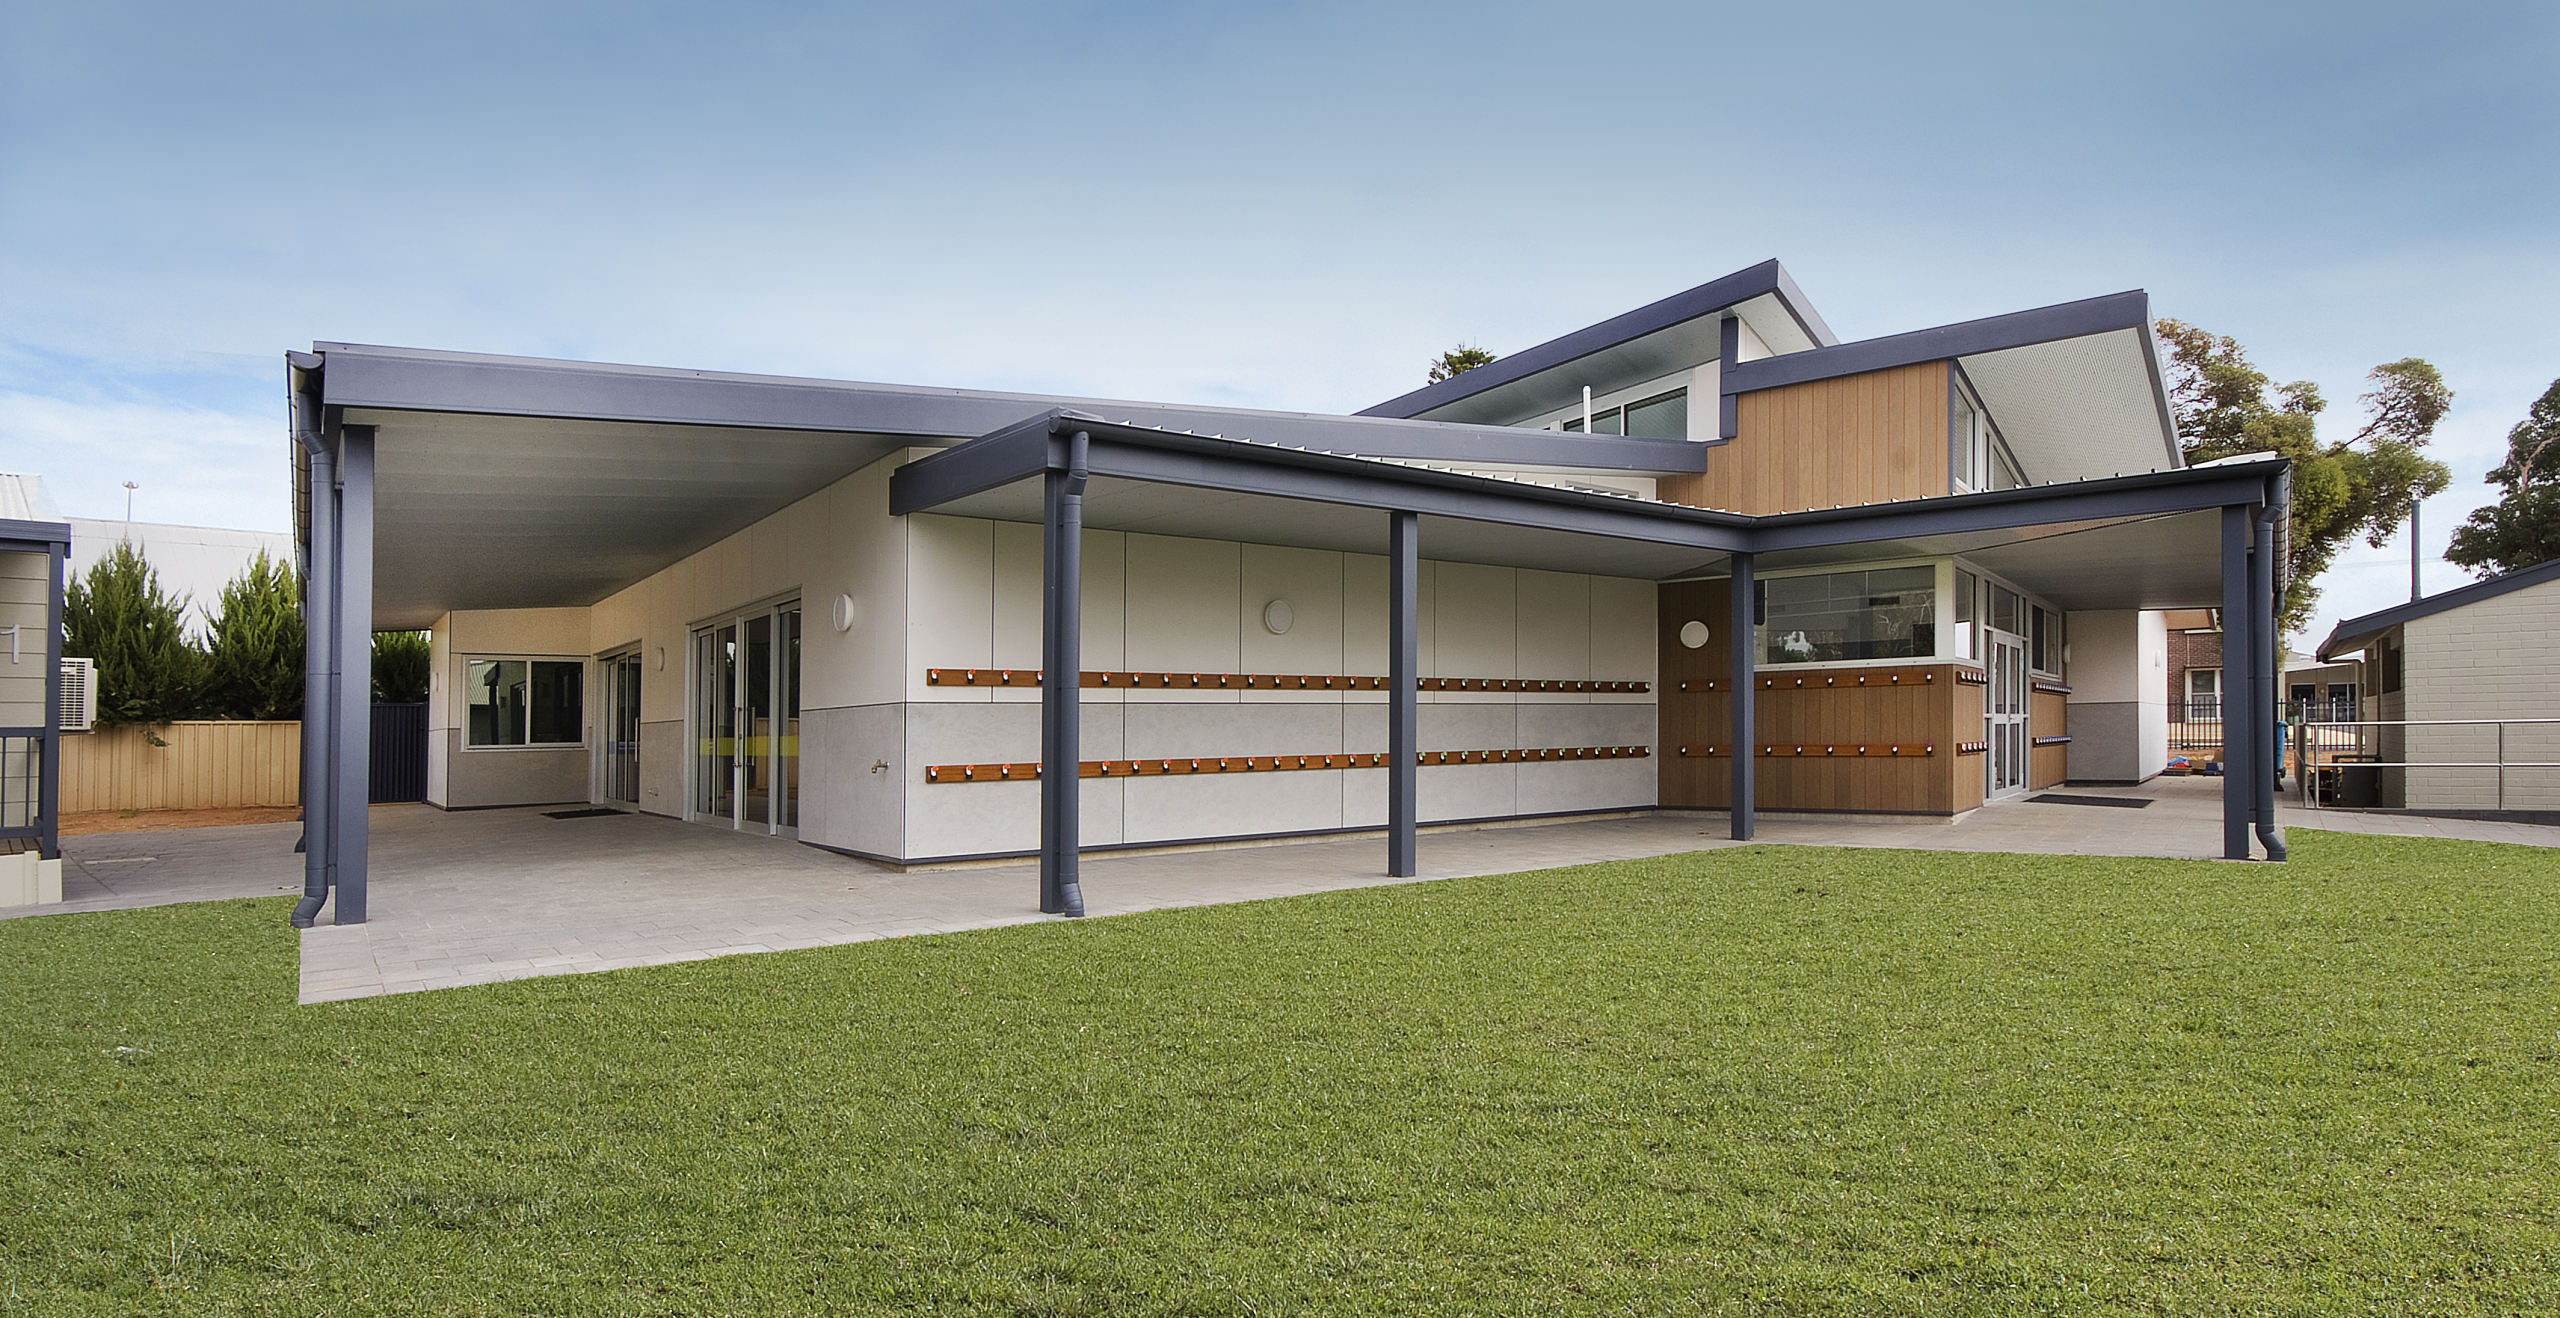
(844,613)
(1693,634)
(658,659)
(1277,617)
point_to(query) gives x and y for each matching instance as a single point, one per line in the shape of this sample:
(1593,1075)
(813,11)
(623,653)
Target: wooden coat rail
(1850,751)
(1030,677)
(1152,768)
(1884,678)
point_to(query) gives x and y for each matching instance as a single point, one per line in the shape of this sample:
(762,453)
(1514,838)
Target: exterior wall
(463,777)
(1163,604)
(2048,715)
(2119,714)
(1869,438)
(193,562)
(1920,702)
(2492,659)
(2188,649)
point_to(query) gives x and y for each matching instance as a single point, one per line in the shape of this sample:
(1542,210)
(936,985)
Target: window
(2008,611)
(2204,694)
(1963,439)
(1965,587)
(525,702)
(1881,613)
(2044,643)
(1663,416)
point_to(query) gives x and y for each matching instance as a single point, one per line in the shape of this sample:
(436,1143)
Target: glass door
(747,721)
(2005,716)
(622,728)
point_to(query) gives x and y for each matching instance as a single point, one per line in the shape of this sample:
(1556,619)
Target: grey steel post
(2263,765)
(1061,674)
(319,689)
(2239,748)
(49,770)
(1404,690)
(350,838)
(1738,626)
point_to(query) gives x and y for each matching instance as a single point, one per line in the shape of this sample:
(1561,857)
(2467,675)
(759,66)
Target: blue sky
(1286,204)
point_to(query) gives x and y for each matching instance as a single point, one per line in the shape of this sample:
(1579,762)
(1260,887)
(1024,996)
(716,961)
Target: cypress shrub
(149,670)
(254,662)
(399,667)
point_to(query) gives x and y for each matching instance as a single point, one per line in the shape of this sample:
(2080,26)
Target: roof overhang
(1673,334)
(2135,542)
(2075,388)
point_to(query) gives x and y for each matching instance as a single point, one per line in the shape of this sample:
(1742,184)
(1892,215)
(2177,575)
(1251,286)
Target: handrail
(2302,766)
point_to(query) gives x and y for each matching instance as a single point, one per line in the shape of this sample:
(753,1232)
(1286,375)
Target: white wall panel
(1014,619)
(1185,611)
(1310,580)
(1554,614)
(951,593)
(1475,628)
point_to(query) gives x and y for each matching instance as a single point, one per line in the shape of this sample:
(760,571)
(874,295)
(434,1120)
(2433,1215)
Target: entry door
(2005,717)
(622,728)
(746,674)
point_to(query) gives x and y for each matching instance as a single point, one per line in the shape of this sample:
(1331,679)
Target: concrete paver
(483,896)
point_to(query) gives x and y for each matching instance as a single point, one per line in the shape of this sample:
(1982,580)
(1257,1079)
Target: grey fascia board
(34,534)
(1236,466)
(2357,633)
(2017,329)
(415,380)
(2147,494)
(1706,299)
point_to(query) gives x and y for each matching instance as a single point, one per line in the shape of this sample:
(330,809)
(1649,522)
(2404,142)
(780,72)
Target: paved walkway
(489,895)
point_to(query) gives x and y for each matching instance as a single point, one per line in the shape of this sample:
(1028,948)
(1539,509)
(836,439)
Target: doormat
(2120,802)
(581,814)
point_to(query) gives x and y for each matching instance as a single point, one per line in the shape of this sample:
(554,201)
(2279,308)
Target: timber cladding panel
(1867,438)
(2048,715)
(204,766)
(1831,711)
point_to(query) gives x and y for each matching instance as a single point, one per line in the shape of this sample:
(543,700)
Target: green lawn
(1762,1080)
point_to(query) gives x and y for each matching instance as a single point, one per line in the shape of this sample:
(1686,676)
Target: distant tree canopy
(2364,484)
(116,614)
(253,656)
(400,667)
(249,665)
(2523,527)
(1458,361)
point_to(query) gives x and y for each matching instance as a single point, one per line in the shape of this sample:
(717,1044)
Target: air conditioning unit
(79,694)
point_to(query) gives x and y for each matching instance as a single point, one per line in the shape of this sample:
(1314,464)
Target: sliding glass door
(746,708)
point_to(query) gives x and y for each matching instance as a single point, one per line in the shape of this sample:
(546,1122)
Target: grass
(1764,1080)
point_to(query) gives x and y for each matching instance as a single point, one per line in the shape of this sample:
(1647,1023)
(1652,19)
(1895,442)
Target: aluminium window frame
(586,694)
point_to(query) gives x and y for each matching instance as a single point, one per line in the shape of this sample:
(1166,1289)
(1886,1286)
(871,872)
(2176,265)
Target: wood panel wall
(1927,706)
(204,766)
(2048,715)
(1868,438)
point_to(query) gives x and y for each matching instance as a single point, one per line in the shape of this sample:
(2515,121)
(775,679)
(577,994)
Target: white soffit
(2075,408)
(497,512)
(1769,318)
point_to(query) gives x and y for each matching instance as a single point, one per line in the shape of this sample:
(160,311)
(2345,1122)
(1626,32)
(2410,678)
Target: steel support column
(1738,625)
(2240,757)
(49,772)
(319,686)
(1061,671)
(1404,688)
(353,716)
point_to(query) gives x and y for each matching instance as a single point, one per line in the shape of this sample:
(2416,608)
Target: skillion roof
(2357,633)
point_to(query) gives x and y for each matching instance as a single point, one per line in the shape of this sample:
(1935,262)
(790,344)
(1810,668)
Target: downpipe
(304,406)
(2264,769)
(1071,568)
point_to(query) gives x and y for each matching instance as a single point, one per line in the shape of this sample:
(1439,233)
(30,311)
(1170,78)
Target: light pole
(129,488)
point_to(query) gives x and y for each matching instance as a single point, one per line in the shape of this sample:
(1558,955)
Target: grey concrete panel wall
(2106,741)
(476,778)
(844,800)
(662,752)
(2491,659)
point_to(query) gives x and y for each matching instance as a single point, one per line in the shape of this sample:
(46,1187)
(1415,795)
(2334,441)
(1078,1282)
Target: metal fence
(2498,764)
(398,767)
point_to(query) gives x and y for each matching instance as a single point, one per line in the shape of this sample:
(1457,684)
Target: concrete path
(481,896)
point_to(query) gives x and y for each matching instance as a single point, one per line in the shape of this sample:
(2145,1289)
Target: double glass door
(2005,716)
(622,728)
(746,718)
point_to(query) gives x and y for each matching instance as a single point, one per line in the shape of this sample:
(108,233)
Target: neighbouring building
(2458,690)
(34,541)
(1702,555)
